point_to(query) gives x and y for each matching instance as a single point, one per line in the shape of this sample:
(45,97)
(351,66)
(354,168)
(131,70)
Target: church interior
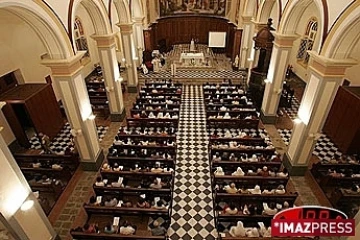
(176,119)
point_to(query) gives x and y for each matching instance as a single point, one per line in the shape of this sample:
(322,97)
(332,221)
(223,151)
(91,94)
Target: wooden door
(15,125)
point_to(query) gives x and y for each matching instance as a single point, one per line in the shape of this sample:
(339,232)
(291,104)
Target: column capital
(65,67)
(247,19)
(259,25)
(139,20)
(329,67)
(125,27)
(282,40)
(104,40)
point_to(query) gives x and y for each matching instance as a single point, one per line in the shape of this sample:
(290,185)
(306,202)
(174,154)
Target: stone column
(139,38)
(106,45)
(246,41)
(276,76)
(18,205)
(68,76)
(127,37)
(325,77)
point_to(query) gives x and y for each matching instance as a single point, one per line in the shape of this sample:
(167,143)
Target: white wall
(20,49)
(301,70)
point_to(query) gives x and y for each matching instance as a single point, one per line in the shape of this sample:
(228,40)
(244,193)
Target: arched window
(307,42)
(80,39)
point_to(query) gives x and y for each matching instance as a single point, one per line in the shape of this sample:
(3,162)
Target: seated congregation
(133,192)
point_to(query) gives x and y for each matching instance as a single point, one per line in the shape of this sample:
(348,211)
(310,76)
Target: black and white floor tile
(195,74)
(293,110)
(324,149)
(62,141)
(192,212)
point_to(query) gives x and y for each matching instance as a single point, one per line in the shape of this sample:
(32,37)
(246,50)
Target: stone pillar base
(132,89)
(93,166)
(267,119)
(293,169)
(118,117)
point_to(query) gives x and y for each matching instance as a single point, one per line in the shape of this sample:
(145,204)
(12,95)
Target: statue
(45,143)
(192,46)
(236,61)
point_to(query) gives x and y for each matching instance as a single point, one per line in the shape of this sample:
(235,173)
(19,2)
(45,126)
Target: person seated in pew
(160,205)
(127,229)
(36,164)
(157,184)
(136,115)
(99,182)
(93,201)
(264,172)
(280,189)
(157,168)
(143,114)
(283,173)
(157,229)
(276,158)
(231,209)
(238,230)
(90,228)
(231,188)
(151,115)
(110,202)
(109,228)
(142,203)
(270,209)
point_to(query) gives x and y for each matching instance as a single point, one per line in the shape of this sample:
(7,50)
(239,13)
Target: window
(80,39)
(307,42)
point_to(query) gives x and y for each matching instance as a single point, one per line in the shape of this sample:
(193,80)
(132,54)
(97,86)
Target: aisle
(192,212)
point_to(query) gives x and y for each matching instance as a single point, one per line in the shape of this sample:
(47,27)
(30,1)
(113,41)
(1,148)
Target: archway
(270,9)
(46,38)
(343,41)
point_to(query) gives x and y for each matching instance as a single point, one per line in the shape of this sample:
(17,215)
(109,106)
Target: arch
(292,16)
(97,12)
(344,34)
(265,9)
(137,10)
(123,11)
(250,8)
(45,24)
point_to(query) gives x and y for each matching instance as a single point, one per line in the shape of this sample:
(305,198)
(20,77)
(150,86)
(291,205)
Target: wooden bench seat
(243,150)
(290,197)
(233,122)
(105,236)
(116,190)
(245,164)
(129,211)
(169,148)
(135,174)
(112,159)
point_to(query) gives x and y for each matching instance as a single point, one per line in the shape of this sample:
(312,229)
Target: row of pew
(133,192)
(249,182)
(47,174)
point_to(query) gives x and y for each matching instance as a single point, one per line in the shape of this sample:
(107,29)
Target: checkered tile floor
(192,213)
(194,74)
(292,112)
(62,140)
(324,149)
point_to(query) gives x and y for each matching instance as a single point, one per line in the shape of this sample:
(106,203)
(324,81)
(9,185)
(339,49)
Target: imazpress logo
(311,221)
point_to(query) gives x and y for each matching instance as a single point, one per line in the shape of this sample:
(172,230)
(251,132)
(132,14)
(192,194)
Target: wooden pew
(105,236)
(129,211)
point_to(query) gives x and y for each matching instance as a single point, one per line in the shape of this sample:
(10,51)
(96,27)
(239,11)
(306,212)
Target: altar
(192,59)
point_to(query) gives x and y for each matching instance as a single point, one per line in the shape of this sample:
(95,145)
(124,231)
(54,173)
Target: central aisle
(192,211)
